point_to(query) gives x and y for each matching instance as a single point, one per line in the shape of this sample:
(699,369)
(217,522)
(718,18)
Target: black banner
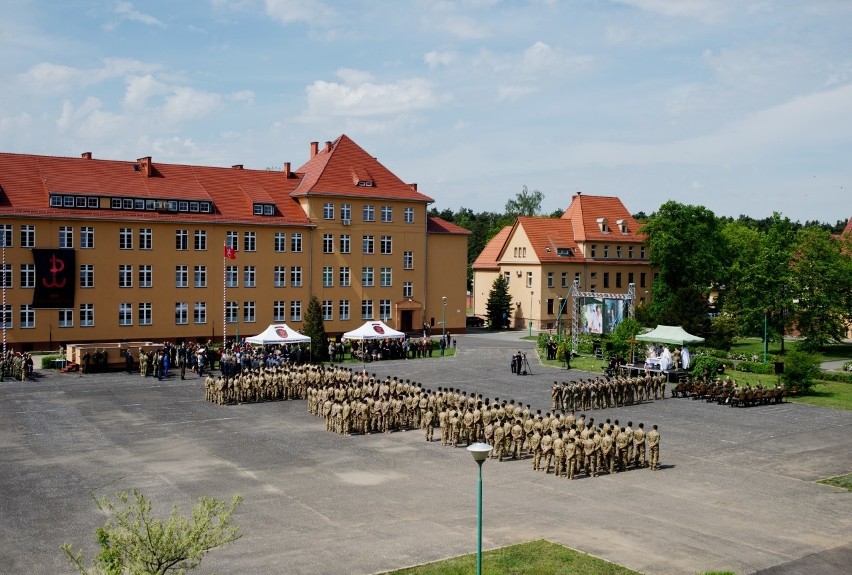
(55,278)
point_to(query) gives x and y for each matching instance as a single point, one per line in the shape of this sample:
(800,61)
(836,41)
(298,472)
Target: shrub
(756,367)
(800,369)
(47,361)
(835,376)
(706,365)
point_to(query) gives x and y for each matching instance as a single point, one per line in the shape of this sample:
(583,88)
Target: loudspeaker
(779,367)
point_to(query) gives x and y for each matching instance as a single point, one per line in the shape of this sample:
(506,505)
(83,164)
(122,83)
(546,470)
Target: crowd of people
(18,366)
(606,392)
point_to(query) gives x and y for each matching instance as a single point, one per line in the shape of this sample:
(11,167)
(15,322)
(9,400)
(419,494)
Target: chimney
(287,170)
(328,146)
(413,186)
(86,155)
(145,166)
(237,166)
(314,149)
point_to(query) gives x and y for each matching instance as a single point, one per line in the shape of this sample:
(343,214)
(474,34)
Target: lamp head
(479,451)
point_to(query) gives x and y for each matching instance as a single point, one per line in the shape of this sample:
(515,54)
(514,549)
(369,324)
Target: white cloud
(141,88)
(434,59)
(290,11)
(705,10)
(358,95)
(246,96)
(126,11)
(188,104)
(48,78)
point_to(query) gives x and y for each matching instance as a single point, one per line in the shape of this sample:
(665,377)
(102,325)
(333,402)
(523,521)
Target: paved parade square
(736,490)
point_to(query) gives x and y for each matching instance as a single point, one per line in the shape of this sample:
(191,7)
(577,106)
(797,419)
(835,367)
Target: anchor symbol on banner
(56,266)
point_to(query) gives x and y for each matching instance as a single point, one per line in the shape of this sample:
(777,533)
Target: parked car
(475,321)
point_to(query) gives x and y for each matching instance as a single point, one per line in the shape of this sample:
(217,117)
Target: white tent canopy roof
(278,333)
(374,330)
(671,334)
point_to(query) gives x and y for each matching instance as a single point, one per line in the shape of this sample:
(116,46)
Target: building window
(344,276)
(125,276)
(346,212)
(327,276)
(146,313)
(642,252)
(181,313)
(550,279)
(6,319)
(248,312)
(200,276)
(629,278)
(327,244)
(409,215)
(125,239)
(606,251)
(594,249)
(367,309)
(66,318)
(87,275)
(280,242)
(385,277)
(250,241)
(565,279)
(327,310)
(87,238)
(87,315)
(296,310)
(249,277)
(507,276)
(618,279)
(367,244)
(200,240)
(125,314)
(27,275)
(408,260)
(328,211)
(606,279)
(296,242)
(278,309)
(384,309)
(387,214)
(181,240)
(27,316)
(577,278)
(550,306)
(6,235)
(367,277)
(232,277)
(181,276)
(146,276)
(642,279)
(407,289)
(295,278)
(386,245)
(343,310)
(594,288)
(66,237)
(529,279)
(199,313)
(618,252)
(345,243)
(231,310)
(27,236)
(232,239)
(146,239)
(630,252)
(6,273)
(280,278)
(369,213)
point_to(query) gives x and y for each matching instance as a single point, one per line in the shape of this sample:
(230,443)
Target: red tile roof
(436,225)
(27,180)
(584,212)
(489,256)
(548,236)
(848,228)
(337,171)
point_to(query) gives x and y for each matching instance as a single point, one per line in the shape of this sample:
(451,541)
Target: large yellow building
(596,243)
(101,250)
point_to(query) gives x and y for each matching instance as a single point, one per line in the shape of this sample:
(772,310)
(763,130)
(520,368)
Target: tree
(525,203)
(800,369)
(624,335)
(687,247)
(687,308)
(499,305)
(315,329)
(133,542)
(822,284)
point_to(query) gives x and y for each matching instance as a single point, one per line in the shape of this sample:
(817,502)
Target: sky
(741,106)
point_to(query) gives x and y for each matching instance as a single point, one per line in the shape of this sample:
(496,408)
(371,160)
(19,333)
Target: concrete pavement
(736,491)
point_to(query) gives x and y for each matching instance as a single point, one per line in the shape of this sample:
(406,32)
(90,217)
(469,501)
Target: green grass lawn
(534,558)
(844,481)
(832,394)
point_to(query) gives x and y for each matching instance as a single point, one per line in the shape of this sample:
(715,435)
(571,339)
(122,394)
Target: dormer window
(622,226)
(365,183)
(264,209)
(564,252)
(603,226)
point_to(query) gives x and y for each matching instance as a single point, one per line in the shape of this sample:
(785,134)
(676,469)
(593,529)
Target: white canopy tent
(671,334)
(278,333)
(374,330)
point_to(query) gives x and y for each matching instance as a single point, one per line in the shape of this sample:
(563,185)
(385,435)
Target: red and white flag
(230,253)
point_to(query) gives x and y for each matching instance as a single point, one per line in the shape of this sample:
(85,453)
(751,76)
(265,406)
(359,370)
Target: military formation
(606,392)
(728,392)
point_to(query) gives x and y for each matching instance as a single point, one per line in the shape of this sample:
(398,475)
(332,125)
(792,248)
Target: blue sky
(741,106)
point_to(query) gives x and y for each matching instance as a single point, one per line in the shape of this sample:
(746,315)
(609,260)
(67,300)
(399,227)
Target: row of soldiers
(281,382)
(606,392)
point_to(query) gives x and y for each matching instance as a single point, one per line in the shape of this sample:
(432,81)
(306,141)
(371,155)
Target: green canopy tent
(671,334)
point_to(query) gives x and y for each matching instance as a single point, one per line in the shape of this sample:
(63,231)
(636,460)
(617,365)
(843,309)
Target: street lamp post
(444,319)
(480,453)
(562,301)
(532,293)
(765,341)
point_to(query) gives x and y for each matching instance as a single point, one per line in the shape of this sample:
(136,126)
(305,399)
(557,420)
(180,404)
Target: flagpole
(224,297)
(5,319)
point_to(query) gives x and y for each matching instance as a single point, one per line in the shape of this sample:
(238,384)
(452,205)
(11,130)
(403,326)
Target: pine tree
(499,304)
(315,329)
